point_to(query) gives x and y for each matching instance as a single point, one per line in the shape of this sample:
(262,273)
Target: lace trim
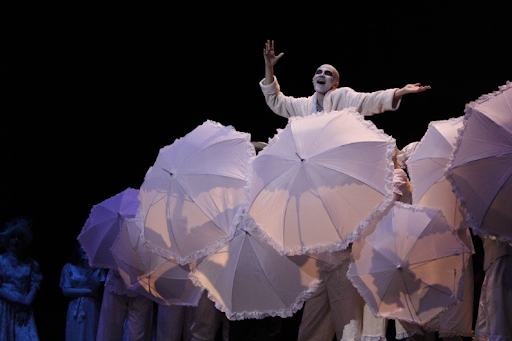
(235,316)
(458,290)
(214,246)
(406,334)
(470,220)
(378,209)
(431,126)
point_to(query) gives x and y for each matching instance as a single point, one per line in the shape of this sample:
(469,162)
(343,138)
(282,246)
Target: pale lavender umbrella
(192,196)
(480,168)
(103,225)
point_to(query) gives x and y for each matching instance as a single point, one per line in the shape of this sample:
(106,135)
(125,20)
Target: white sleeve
(283,105)
(368,103)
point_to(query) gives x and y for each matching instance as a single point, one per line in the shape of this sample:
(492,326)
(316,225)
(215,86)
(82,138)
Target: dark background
(90,92)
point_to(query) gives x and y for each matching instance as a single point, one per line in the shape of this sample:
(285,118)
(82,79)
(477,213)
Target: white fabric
(427,169)
(191,196)
(405,153)
(409,265)
(494,309)
(320,181)
(374,327)
(248,279)
(365,103)
(481,167)
(427,163)
(402,186)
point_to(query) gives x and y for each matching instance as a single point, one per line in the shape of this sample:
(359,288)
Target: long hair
(19,226)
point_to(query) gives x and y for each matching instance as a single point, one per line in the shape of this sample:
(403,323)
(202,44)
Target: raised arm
(270,60)
(408,89)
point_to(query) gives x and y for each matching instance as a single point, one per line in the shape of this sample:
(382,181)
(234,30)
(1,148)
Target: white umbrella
(409,264)
(320,181)
(164,281)
(247,278)
(481,166)
(191,197)
(427,170)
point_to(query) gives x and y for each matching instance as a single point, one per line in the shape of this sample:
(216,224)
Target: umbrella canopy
(427,164)
(247,278)
(320,181)
(164,281)
(192,195)
(481,166)
(409,265)
(427,170)
(103,225)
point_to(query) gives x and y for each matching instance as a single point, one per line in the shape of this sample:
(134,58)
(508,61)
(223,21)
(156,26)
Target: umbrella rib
(408,296)
(383,256)
(343,146)
(347,202)
(425,283)
(207,147)
(266,276)
(237,261)
(495,196)
(187,191)
(341,120)
(321,199)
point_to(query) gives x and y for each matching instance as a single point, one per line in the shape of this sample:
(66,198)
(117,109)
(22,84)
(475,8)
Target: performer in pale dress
(20,280)
(82,285)
(335,308)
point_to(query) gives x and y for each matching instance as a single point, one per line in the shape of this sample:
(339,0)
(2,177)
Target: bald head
(326,78)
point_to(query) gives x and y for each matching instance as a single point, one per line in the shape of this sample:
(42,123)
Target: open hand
(269,54)
(412,89)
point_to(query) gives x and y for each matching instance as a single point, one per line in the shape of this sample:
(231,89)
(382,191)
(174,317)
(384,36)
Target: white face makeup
(325,79)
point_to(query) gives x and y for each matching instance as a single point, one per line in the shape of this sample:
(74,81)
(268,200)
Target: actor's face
(325,79)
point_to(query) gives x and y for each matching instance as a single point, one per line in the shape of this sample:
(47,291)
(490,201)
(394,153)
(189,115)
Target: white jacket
(366,103)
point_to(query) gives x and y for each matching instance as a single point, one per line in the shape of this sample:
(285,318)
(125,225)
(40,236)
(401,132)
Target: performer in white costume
(337,304)
(327,97)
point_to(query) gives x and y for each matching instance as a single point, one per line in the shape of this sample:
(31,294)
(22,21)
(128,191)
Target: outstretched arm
(408,89)
(270,60)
